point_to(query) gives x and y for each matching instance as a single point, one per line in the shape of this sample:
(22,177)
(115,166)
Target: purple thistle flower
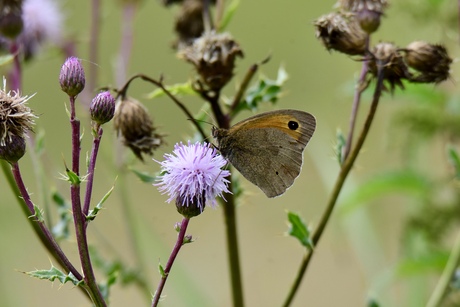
(193,176)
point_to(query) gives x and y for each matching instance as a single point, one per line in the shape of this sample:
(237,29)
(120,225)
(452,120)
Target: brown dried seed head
(133,123)
(387,57)
(16,118)
(213,56)
(431,60)
(341,32)
(189,22)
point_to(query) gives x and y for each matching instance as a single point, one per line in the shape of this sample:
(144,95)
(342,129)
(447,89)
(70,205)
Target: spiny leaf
(298,229)
(71,177)
(92,213)
(38,215)
(53,274)
(144,177)
(178,89)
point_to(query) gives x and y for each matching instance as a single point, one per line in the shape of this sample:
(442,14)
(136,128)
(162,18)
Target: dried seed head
(431,60)
(387,57)
(72,77)
(341,32)
(213,56)
(13,149)
(133,123)
(358,5)
(189,22)
(15,117)
(11,23)
(102,108)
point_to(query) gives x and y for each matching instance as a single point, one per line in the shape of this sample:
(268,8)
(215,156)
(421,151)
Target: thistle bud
(190,208)
(13,149)
(72,77)
(432,61)
(102,108)
(133,123)
(387,57)
(11,23)
(341,32)
(368,20)
(213,56)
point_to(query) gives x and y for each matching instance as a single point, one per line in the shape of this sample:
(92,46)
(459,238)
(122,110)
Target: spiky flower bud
(213,56)
(13,149)
(341,32)
(431,60)
(11,23)
(15,117)
(133,123)
(387,58)
(72,77)
(102,108)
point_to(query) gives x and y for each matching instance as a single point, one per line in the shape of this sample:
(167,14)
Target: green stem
(345,170)
(233,249)
(442,287)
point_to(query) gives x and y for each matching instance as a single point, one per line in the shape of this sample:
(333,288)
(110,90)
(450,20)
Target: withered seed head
(387,57)
(431,60)
(341,32)
(16,118)
(135,126)
(213,56)
(189,22)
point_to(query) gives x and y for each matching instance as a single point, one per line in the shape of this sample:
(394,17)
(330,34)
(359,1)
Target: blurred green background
(359,254)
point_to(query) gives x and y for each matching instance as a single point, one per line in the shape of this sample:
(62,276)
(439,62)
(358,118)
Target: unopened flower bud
(133,123)
(213,56)
(11,23)
(13,149)
(341,32)
(368,20)
(72,77)
(102,108)
(190,208)
(189,22)
(431,60)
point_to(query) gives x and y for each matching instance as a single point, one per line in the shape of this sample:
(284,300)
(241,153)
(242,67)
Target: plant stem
(356,101)
(444,282)
(91,168)
(93,48)
(233,249)
(172,257)
(344,171)
(78,217)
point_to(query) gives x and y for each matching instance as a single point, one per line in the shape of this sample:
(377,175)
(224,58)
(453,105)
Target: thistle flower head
(193,176)
(213,56)
(16,118)
(387,58)
(133,123)
(72,77)
(431,60)
(43,24)
(102,107)
(341,32)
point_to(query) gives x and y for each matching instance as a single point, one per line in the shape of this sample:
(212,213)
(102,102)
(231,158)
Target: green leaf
(179,89)
(53,274)
(38,214)
(73,178)
(407,182)
(145,177)
(93,213)
(161,270)
(454,159)
(264,91)
(228,14)
(298,229)
(372,303)
(5,59)
(40,142)
(434,261)
(341,142)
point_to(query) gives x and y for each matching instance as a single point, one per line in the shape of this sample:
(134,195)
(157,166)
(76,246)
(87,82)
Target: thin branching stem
(91,167)
(443,285)
(344,171)
(169,264)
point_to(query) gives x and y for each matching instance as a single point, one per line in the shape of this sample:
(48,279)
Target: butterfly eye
(293,125)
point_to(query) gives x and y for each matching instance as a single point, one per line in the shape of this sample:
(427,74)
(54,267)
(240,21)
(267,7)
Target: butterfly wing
(267,148)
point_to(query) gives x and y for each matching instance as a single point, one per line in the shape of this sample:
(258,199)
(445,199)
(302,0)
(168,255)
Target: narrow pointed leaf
(299,230)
